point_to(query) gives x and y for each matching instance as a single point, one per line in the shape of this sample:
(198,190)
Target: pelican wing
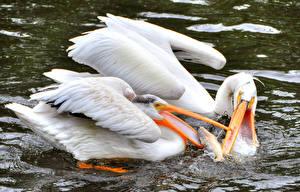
(184,47)
(113,54)
(64,75)
(95,98)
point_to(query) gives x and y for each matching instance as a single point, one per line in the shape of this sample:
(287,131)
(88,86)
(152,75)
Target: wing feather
(113,54)
(105,105)
(64,75)
(187,49)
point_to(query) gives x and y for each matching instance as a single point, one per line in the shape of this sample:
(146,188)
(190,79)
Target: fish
(211,144)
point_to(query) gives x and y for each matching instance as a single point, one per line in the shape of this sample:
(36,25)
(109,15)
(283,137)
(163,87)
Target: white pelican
(101,118)
(237,98)
(239,88)
(144,55)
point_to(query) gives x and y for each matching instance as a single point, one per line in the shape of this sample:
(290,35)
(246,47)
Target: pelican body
(96,117)
(85,140)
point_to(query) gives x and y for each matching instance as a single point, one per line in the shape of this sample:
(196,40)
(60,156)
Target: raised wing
(184,47)
(97,99)
(113,54)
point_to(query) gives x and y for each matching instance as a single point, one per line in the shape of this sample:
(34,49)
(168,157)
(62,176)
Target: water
(260,36)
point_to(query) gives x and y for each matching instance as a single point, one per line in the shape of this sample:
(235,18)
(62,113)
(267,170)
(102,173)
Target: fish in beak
(242,137)
(181,127)
(211,143)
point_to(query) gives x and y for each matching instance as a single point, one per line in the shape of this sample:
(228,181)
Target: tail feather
(75,135)
(39,122)
(19,109)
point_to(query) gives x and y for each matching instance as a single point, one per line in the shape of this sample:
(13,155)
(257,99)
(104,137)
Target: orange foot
(83,165)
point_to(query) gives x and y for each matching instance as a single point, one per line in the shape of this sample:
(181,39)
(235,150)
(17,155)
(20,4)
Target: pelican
(237,98)
(96,117)
(146,57)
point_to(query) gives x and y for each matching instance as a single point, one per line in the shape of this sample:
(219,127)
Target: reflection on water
(200,2)
(241,7)
(169,15)
(292,76)
(241,27)
(13,34)
(260,37)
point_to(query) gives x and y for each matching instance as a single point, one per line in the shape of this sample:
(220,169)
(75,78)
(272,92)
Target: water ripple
(283,93)
(170,15)
(241,7)
(14,34)
(292,76)
(67,185)
(35,21)
(198,2)
(269,181)
(245,27)
(10,189)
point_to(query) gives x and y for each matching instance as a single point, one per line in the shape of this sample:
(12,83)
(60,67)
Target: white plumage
(63,75)
(113,54)
(85,140)
(145,56)
(142,54)
(107,106)
(117,128)
(186,48)
(113,128)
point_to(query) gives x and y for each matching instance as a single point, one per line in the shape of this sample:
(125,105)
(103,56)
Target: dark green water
(260,36)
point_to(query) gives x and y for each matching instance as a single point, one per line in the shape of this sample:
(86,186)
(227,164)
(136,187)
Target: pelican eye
(158,106)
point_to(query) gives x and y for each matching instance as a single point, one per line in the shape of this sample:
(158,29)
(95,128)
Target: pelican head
(150,105)
(246,91)
(242,139)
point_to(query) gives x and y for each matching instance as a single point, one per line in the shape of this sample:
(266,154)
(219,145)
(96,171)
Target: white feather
(159,72)
(86,141)
(63,75)
(108,107)
(195,97)
(191,49)
(113,54)
(226,98)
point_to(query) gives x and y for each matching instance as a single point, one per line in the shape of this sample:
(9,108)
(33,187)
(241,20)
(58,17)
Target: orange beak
(243,127)
(180,127)
(173,108)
